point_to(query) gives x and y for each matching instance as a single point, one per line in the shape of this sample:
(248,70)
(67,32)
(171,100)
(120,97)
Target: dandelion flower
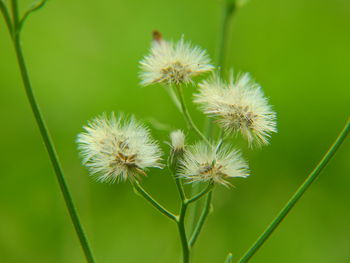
(177,141)
(202,163)
(238,106)
(118,148)
(173,63)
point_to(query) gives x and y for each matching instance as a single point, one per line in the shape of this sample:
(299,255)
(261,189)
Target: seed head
(238,106)
(118,148)
(173,63)
(202,163)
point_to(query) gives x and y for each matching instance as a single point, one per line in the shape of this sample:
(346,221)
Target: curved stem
(7,17)
(46,137)
(297,195)
(201,194)
(188,116)
(152,201)
(201,220)
(32,9)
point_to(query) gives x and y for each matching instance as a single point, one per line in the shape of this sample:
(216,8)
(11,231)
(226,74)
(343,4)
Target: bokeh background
(83,60)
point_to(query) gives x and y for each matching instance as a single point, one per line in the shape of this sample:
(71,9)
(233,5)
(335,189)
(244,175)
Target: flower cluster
(119,148)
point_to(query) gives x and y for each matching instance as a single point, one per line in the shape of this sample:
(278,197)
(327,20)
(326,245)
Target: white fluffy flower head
(173,63)
(238,106)
(118,148)
(203,163)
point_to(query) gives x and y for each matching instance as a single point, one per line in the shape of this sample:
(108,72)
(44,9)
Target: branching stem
(201,194)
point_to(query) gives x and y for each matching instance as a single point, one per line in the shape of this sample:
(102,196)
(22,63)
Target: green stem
(152,201)
(183,236)
(173,97)
(7,17)
(32,9)
(188,116)
(46,136)
(201,194)
(297,195)
(201,220)
(227,13)
(15,19)
(228,258)
(180,188)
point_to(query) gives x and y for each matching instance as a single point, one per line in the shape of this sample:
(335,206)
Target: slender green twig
(201,220)
(229,258)
(180,188)
(201,194)
(15,33)
(227,14)
(15,18)
(297,195)
(152,201)
(32,9)
(188,116)
(6,16)
(173,97)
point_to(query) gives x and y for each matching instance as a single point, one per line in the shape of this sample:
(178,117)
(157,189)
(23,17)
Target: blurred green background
(83,60)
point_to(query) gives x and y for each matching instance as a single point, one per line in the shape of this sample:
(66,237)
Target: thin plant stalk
(180,188)
(7,17)
(152,201)
(227,14)
(229,258)
(297,195)
(201,220)
(201,194)
(182,233)
(13,27)
(187,115)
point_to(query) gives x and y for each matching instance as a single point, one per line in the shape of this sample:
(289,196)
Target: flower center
(176,72)
(241,116)
(128,160)
(212,170)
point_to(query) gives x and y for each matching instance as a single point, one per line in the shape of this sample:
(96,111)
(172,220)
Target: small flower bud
(177,148)
(177,140)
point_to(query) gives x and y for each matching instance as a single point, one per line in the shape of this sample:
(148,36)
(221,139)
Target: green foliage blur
(83,60)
